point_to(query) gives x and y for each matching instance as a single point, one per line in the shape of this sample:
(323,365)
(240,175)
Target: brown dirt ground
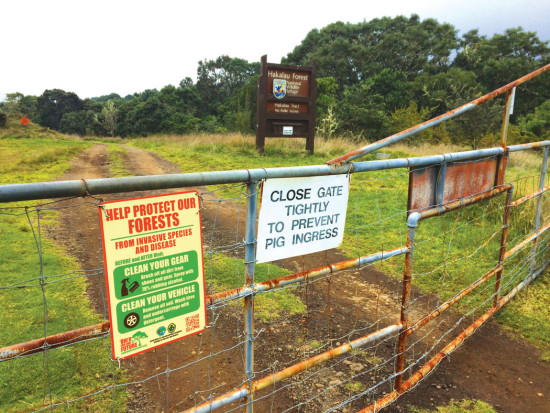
(490,366)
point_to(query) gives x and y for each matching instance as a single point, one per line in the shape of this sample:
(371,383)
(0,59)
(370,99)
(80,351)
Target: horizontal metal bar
(446,305)
(53,341)
(526,241)
(526,198)
(84,333)
(270,380)
(433,122)
(431,364)
(454,205)
(75,188)
(302,276)
(527,146)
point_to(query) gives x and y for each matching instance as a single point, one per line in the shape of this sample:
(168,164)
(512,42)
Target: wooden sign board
(286,103)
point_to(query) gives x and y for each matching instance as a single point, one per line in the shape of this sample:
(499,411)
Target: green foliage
(53,104)
(352,52)
(42,155)
(529,315)
(327,89)
(12,103)
(447,90)
(537,124)
(369,76)
(405,118)
(363,115)
(239,110)
(3,119)
(274,304)
(110,113)
(218,79)
(503,58)
(328,125)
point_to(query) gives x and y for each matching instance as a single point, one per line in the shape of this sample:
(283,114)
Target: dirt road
(490,366)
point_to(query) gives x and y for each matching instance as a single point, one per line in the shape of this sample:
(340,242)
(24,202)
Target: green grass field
(63,374)
(452,251)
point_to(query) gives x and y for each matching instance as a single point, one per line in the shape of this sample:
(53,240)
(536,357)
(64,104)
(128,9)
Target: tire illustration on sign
(131,320)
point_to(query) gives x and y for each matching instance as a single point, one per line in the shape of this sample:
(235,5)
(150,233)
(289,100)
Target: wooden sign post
(286,103)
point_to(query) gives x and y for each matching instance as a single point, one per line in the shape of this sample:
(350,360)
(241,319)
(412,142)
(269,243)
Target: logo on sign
(279,88)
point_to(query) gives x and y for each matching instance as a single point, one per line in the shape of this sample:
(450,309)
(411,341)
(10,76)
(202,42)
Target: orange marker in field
(24,121)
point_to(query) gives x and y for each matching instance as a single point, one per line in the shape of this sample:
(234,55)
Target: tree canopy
(374,78)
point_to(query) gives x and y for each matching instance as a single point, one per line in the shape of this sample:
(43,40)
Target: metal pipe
(526,241)
(542,189)
(303,275)
(503,243)
(412,223)
(53,341)
(84,333)
(454,205)
(529,197)
(453,345)
(60,189)
(293,370)
(538,208)
(526,146)
(249,260)
(446,305)
(433,122)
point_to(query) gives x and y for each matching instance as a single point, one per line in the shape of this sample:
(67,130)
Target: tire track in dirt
(486,367)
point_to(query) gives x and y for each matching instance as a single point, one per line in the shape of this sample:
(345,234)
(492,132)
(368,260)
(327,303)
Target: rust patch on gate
(437,184)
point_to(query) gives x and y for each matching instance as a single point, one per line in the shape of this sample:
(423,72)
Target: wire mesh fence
(326,326)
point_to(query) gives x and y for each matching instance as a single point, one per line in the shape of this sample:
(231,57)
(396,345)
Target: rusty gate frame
(340,165)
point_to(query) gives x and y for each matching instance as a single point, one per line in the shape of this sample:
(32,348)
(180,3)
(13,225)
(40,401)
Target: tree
(393,86)
(239,110)
(110,113)
(405,118)
(446,91)
(217,79)
(327,90)
(537,124)
(53,104)
(12,103)
(353,52)
(504,58)
(361,114)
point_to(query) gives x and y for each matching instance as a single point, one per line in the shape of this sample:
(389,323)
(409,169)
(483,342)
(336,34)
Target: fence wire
(53,282)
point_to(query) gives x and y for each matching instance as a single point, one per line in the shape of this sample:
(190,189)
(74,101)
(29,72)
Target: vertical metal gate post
(249,258)
(503,244)
(538,209)
(502,161)
(412,223)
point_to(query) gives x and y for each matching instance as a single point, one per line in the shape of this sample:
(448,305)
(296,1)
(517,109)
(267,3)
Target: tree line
(374,78)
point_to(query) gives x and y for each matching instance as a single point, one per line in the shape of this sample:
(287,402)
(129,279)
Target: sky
(98,47)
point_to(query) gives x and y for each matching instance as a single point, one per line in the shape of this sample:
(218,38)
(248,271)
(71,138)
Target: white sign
(301,215)
(288,130)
